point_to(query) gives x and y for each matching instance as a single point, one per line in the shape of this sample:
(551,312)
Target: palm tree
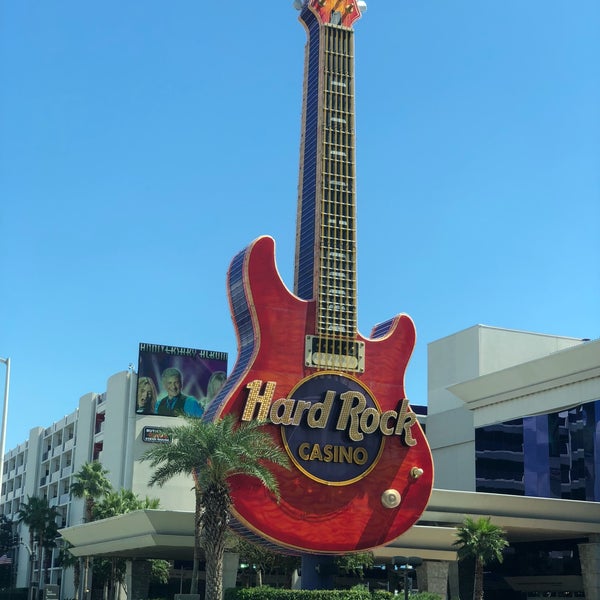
(482,541)
(121,502)
(47,540)
(32,514)
(212,452)
(91,483)
(40,519)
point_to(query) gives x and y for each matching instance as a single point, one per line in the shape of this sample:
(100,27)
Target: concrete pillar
(453,581)
(137,578)
(231,561)
(432,576)
(296,580)
(589,557)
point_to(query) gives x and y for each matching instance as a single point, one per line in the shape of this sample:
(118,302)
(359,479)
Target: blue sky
(142,144)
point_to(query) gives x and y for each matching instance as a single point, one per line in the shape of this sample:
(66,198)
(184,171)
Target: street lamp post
(6,361)
(31,595)
(408,562)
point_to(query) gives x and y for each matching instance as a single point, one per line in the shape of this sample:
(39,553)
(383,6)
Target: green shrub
(268,593)
(381,595)
(14,594)
(358,592)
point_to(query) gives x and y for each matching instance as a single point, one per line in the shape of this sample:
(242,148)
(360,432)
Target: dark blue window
(551,456)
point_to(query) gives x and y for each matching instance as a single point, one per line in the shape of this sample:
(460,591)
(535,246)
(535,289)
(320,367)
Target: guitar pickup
(330,353)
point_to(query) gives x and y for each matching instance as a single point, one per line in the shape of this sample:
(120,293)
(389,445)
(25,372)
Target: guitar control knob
(416,472)
(391,498)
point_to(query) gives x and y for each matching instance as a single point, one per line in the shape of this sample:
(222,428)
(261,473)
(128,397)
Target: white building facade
(105,427)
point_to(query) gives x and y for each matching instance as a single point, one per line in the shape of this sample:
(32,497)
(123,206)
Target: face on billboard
(174,380)
(172,384)
(146,396)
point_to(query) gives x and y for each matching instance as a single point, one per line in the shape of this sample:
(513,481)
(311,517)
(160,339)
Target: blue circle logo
(320,441)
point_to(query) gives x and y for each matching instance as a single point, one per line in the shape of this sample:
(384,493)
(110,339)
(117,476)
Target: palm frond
(214,451)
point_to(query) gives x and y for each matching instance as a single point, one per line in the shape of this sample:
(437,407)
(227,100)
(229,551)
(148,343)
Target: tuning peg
(362,5)
(416,472)
(298,4)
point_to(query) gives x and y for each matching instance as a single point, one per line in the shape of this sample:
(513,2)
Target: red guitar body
(313,515)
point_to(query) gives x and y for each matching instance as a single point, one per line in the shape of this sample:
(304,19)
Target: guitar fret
(337,305)
(335,206)
(337,158)
(336,308)
(340,263)
(338,277)
(343,234)
(333,316)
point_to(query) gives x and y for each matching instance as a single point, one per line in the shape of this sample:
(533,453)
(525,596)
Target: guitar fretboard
(336,295)
(326,239)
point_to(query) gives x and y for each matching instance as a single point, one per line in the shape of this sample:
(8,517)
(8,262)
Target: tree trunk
(197,541)
(89,507)
(113,578)
(215,520)
(31,557)
(44,576)
(478,587)
(40,558)
(77,577)
(214,568)
(86,574)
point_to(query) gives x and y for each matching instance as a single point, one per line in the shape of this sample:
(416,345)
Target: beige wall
(468,356)
(176,494)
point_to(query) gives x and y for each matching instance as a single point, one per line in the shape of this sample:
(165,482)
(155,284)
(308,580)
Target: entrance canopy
(170,534)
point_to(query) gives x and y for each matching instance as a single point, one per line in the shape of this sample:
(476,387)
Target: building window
(549,456)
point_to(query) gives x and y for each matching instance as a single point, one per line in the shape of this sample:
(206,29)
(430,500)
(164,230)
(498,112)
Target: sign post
(408,562)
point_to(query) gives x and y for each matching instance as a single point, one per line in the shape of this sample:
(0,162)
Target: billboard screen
(174,380)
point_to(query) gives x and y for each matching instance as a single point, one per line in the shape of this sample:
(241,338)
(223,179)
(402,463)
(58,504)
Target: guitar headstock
(337,12)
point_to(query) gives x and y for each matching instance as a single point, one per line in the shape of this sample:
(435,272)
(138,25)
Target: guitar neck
(326,235)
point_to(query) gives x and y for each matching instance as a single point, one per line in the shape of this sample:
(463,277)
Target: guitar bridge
(330,353)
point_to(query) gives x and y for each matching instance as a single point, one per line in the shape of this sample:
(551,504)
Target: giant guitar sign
(361,471)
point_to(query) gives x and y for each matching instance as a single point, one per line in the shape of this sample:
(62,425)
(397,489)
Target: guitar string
(324,217)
